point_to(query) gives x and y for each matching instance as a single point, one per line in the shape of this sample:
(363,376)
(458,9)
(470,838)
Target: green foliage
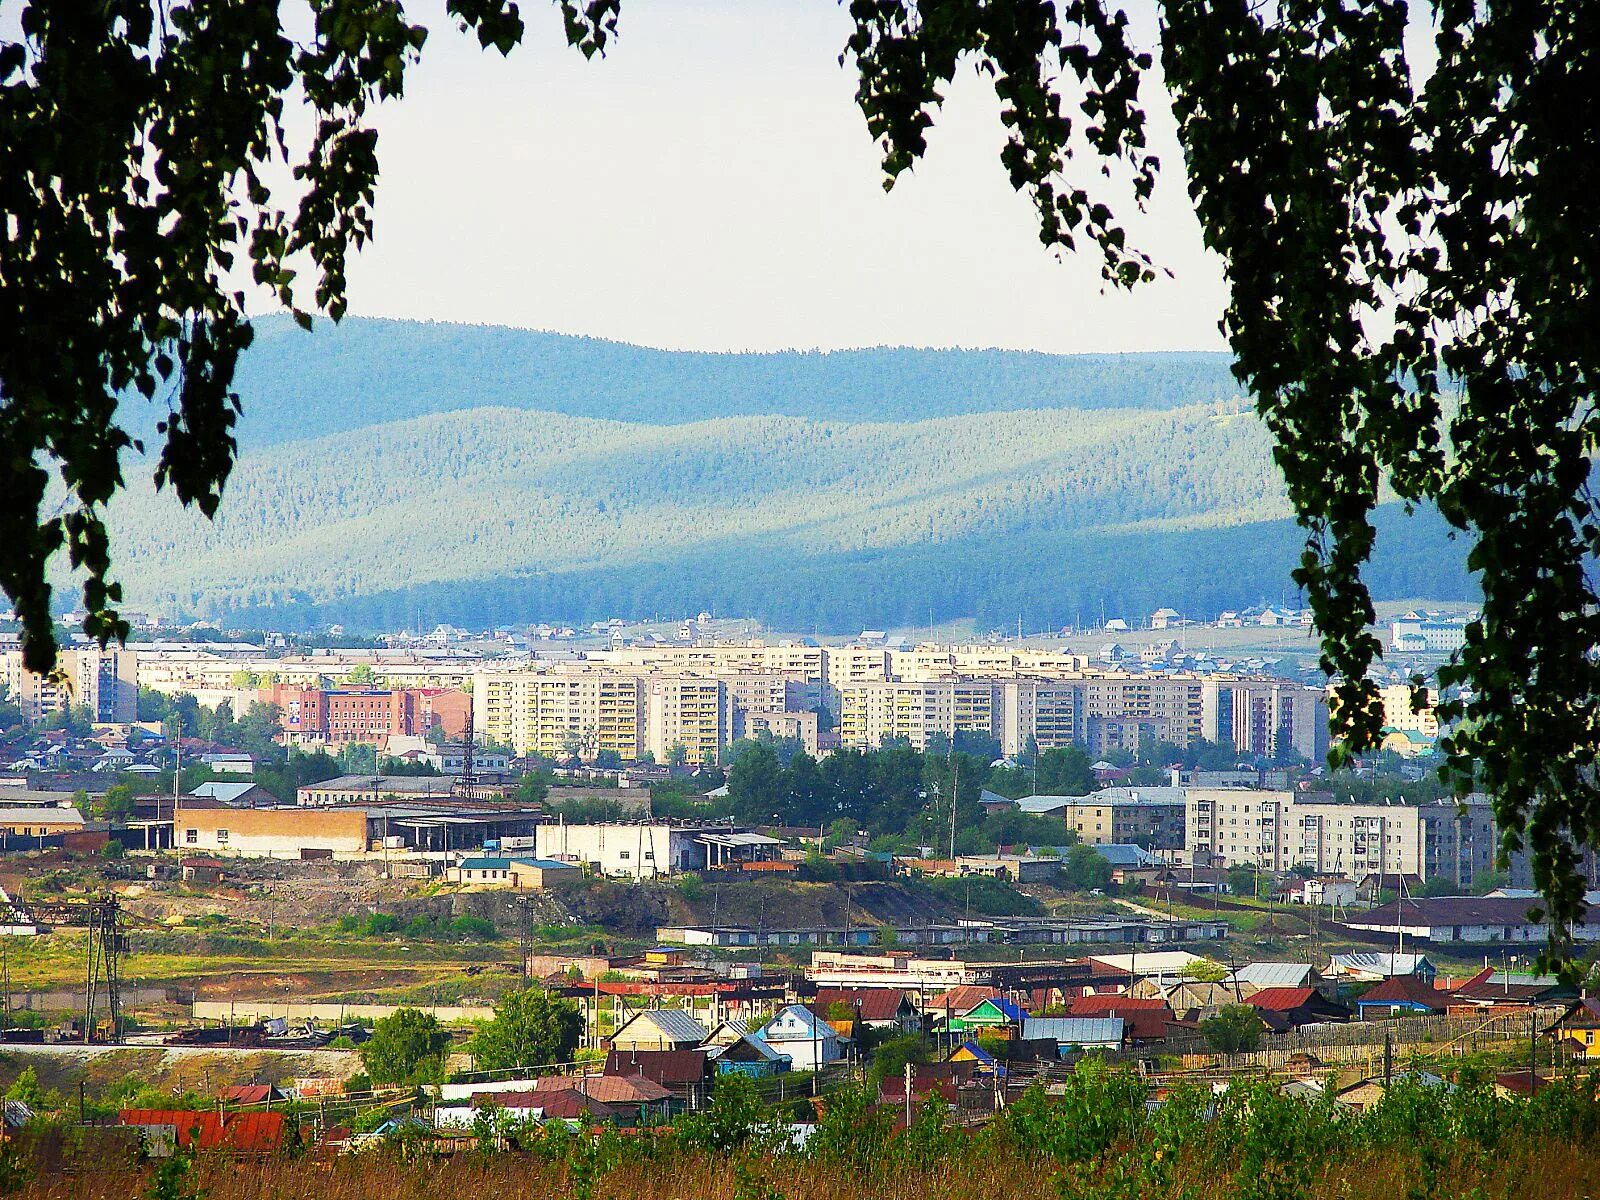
(175,1178)
(890,1058)
(853,1131)
(691,887)
(1236,1029)
(530,1028)
(1098,1105)
(406,1047)
(26,1089)
(737,1120)
(1086,868)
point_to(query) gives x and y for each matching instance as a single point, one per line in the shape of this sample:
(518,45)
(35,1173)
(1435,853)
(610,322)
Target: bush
(479,928)
(1235,1029)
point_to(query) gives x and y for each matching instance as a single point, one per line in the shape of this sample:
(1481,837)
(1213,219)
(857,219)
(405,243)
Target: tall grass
(1095,1141)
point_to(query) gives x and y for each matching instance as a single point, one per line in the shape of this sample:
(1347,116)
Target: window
(191,836)
(222,837)
(624,856)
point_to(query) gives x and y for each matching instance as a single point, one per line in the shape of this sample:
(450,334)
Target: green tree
(114,804)
(890,1058)
(361,675)
(358,758)
(1236,1029)
(26,1089)
(530,1028)
(1244,880)
(1064,771)
(407,1046)
(1086,868)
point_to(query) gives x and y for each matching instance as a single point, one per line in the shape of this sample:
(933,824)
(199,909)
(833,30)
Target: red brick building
(336,716)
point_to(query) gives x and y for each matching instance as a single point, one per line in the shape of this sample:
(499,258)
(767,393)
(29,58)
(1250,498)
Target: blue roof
(977,1052)
(1120,854)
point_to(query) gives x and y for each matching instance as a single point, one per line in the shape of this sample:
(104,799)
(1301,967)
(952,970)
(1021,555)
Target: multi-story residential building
(801,726)
(562,712)
(1399,714)
(1152,817)
(1040,714)
(1281,830)
(687,712)
(872,713)
(1230,826)
(105,682)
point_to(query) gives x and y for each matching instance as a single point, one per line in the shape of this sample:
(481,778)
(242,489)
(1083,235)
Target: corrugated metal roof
(1274,974)
(1074,1031)
(674,1023)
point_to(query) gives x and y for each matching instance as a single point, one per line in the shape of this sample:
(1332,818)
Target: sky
(710,184)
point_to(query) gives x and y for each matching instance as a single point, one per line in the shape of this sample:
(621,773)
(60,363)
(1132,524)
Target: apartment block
(685,711)
(558,713)
(1040,713)
(1154,817)
(103,681)
(871,713)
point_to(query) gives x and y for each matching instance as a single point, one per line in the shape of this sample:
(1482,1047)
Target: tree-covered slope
(366,372)
(499,514)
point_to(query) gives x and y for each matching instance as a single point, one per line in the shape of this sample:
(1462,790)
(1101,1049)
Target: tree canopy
(1410,255)
(529,1029)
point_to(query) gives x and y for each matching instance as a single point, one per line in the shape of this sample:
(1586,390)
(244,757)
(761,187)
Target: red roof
(669,1068)
(962,998)
(608,1089)
(874,1004)
(245,1133)
(1281,999)
(569,1104)
(1102,1005)
(250,1093)
(1406,989)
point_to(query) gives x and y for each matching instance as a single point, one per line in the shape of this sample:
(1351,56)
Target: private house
(1144,1020)
(658,1029)
(732,1048)
(1192,999)
(1322,890)
(1399,996)
(235,793)
(523,874)
(1285,1008)
(1362,1096)
(1071,1034)
(993,1012)
(871,1008)
(983,1063)
(685,1073)
(802,1036)
(1576,1028)
(1257,976)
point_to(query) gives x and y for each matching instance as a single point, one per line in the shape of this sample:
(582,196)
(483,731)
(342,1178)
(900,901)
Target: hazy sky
(710,184)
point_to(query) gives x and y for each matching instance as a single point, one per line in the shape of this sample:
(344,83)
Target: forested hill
(366,372)
(496,514)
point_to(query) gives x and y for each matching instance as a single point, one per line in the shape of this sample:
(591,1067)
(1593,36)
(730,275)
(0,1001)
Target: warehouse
(348,831)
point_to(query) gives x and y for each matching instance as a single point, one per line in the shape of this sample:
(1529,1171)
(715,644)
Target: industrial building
(348,831)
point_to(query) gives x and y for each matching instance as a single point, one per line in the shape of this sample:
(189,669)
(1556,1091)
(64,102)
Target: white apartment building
(1282,830)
